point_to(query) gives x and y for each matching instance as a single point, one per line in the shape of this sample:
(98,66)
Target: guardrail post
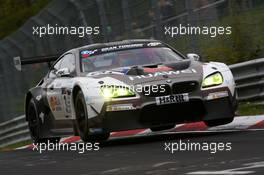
(83,19)
(157,19)
(126,17)
(103,19)
(192,20)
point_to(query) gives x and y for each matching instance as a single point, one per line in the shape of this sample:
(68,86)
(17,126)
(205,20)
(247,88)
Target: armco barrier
(249,77)
(13,131)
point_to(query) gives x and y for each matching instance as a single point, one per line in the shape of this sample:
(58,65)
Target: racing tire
(217,122)
(82,126)
(34,125)
(160,128)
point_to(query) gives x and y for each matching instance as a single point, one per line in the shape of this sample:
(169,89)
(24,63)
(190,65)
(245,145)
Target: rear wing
(18,61)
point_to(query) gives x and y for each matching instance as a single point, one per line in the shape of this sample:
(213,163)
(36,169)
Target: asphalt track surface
(146,155)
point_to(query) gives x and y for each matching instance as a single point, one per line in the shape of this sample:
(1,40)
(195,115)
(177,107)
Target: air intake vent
(184,87)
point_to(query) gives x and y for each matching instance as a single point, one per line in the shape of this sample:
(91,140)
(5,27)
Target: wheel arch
(75,90)
(27,100)
(39,98)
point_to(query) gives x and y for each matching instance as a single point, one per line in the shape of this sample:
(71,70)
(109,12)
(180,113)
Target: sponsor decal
(67,99)
(87,53)
(179,98)
(55,104)
(166,73)
(127,46)
(67,102)
(120,107)
(153,44)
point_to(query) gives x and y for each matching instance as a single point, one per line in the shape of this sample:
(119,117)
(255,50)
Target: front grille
(156,90)
(172,113)
(184,87)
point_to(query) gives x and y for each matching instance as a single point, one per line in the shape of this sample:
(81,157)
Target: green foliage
(16,145)
(250,109)
(245,42)
(14,13)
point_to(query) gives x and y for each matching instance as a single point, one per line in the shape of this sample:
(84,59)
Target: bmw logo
(168,81)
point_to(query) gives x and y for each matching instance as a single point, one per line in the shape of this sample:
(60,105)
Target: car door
(60,87)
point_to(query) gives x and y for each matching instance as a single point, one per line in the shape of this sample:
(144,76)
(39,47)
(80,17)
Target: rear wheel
(160,128)
(82,121)
(34,124)
(211,123)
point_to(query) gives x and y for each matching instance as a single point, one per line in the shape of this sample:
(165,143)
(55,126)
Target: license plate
(178,98)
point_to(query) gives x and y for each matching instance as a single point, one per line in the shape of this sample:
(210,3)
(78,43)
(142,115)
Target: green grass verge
(16,145)
(250,109)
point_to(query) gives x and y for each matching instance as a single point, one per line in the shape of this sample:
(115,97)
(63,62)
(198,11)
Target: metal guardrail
(249,77)
(14,131)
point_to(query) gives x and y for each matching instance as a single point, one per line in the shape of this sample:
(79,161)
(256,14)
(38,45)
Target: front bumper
(144,113)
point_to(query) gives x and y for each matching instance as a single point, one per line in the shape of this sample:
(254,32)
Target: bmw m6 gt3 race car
(96,89)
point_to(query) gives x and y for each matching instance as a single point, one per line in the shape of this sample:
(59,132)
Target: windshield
(126,58)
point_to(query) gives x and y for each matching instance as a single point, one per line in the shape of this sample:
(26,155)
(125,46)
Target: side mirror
(63,72)
(193,56)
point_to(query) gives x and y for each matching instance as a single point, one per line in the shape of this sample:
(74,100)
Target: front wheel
(82,121)
(34,124)
(81,116)
(217,122)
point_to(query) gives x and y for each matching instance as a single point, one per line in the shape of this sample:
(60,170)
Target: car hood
(181,70)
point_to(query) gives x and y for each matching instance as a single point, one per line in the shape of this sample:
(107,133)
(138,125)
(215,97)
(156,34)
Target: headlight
(213,80)
(116,92)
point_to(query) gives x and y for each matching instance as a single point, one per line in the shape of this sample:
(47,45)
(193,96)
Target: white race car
(96,89)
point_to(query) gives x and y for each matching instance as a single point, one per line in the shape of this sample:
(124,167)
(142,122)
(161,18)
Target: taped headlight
(213,80)
(116,92)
